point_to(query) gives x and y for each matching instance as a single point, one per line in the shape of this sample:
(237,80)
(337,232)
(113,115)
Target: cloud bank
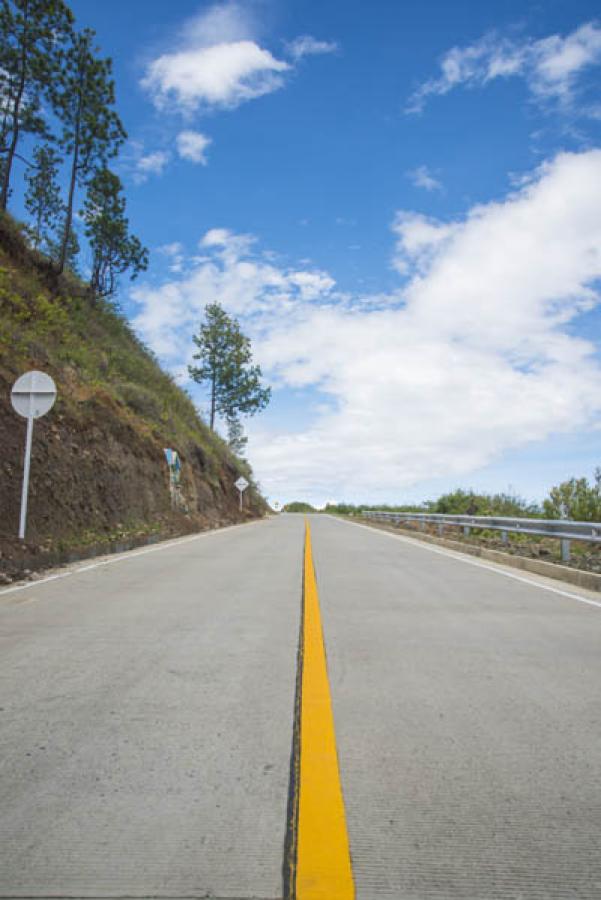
(474,355)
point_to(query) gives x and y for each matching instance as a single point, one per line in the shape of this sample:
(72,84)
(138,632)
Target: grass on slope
(57,323)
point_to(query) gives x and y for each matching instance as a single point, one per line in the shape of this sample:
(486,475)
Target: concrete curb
(589,580)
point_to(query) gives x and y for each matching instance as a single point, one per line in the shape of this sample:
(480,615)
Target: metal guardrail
(565,530)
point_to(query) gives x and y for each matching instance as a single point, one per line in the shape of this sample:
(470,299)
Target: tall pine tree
(114,249)
(43,197)
(84,97)
(32,34)
(226,366)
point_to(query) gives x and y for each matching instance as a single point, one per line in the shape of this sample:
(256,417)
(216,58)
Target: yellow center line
(323,864)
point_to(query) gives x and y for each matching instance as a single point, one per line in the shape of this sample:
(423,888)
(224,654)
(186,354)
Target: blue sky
(402,205)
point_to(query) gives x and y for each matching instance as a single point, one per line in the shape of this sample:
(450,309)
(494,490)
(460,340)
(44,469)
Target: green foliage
(114,250)
(351,509)
(32,33)
(458,502)
(43,198)
(236,438)
(55,249)
(45,61)
(575,499)
(343,509)
(141,400)
(83,97)
(225,364)
(470,503)
(297,506)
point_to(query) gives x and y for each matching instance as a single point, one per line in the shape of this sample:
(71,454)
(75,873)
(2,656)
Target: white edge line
(124,557)
(460,557)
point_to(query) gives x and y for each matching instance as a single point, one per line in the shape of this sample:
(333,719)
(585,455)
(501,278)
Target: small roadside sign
(32,396)
(241,484)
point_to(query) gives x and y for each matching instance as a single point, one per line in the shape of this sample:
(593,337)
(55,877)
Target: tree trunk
(69,212)
(15,117)
(213,399)
(13,144)
(38,228)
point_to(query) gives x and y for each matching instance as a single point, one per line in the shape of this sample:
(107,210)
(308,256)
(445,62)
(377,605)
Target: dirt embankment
(98,472)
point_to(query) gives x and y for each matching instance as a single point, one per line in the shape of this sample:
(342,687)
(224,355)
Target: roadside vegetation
(98,468)
(90,347)
(576,498)
(99,460)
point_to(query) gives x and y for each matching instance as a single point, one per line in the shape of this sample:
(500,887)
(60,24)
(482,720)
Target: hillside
(98,468)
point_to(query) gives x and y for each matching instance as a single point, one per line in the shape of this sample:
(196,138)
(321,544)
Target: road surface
(148,710)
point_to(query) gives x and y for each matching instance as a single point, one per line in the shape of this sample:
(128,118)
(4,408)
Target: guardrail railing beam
(563,530)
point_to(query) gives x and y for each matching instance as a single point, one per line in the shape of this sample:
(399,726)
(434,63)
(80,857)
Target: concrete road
(146,722)
(468,720)
(147,713)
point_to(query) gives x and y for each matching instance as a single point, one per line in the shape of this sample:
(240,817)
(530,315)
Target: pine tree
(31,35)
(114,250)
(225,364)
(84,97)
(43,198)
(236,438)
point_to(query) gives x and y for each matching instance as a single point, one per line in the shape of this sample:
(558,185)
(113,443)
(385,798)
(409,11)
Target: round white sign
(33,394)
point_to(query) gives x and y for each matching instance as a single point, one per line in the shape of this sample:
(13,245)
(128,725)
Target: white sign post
(241,484)
(32,396)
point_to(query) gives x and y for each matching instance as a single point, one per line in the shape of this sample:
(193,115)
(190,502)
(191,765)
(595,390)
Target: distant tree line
(58,118)
(297,506)
(576,498)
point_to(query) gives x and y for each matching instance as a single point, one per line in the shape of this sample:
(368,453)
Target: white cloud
(217,64)
(224,75)
(191,145)
(305,45)
(175,253)
(232,273)
(476,355)
(423,178)
(154,162)
(148,164)
(171,249)
(223,23)
(550,66)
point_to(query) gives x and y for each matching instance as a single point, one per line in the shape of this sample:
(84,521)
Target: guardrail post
(440,529)
(504,537)
(466,530)
(565,550)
